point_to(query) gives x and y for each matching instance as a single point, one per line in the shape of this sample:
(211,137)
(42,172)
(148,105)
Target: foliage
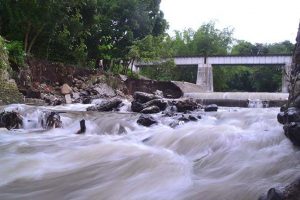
(165,71)
(78,32)
(4,63)
(207,40)
(248,79)
(16,53)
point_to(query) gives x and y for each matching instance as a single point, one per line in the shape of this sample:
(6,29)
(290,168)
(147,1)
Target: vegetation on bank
(112,34)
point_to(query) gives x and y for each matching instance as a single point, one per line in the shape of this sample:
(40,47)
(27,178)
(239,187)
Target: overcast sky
(256,21)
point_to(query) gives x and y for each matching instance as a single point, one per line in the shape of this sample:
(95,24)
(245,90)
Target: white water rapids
(232,154)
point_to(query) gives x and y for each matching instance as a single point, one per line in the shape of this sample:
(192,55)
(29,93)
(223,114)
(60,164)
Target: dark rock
(193,118)
(273,194)
(86,100)
(150,110)
(162,104)
(292,191)
(11,120)
(297,102)
(281,118)
(51,120)
(292,115)
(52,100)
(211,108)
(82,127)
(146,120)
(105,106)
(292,131)
(186,105)
(169,89)
(136,106)
(143,97)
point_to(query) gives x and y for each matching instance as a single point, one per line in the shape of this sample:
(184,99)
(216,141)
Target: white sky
(256,21)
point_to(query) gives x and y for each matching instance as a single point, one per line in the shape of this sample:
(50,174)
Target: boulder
(281,118)
(211,108)
(66,89)
(146,120)
(160,103)
(186,105)
(292,114)
(150,110)
(52,100)
(108,105)
(11,120)
(143,97)
(51,120)
(136,106)
(292,131)
(104,90)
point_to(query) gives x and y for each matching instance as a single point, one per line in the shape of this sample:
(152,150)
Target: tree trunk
(34,38)
(27,37)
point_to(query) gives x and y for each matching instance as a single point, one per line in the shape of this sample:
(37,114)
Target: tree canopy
(80,31)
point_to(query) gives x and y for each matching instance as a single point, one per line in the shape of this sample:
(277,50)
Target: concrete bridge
(205,64)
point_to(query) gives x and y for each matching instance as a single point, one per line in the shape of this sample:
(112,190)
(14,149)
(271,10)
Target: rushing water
(232,154)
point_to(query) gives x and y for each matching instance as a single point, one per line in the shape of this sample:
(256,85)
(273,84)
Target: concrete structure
(205,64)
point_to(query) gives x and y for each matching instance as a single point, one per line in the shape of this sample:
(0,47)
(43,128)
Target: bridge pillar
(205,77)
(285,77)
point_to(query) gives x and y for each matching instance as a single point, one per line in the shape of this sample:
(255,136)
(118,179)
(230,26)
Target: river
(232,154)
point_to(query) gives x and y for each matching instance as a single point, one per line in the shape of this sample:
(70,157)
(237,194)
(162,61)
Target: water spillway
(241,99)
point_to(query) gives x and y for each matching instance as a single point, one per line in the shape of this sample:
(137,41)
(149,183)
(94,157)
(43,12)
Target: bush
(16,53)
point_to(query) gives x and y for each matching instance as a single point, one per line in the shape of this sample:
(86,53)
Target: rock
(184,119)
(86,100)
(76,95)
(66,89)
(52,100)
(170,111)
(292,115)
(290,192)
(281,118)
(51,120)
(82,127)
(160,103)
(104,90)
(11,120)
(193,118)
(150,110)
(68,99)
(211,108)
(297,102)
(143,97)
(108,105)
(136,106)
(146,120)
(292,131)
(273,194)
(159,93)
(186,105)
(152,106)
